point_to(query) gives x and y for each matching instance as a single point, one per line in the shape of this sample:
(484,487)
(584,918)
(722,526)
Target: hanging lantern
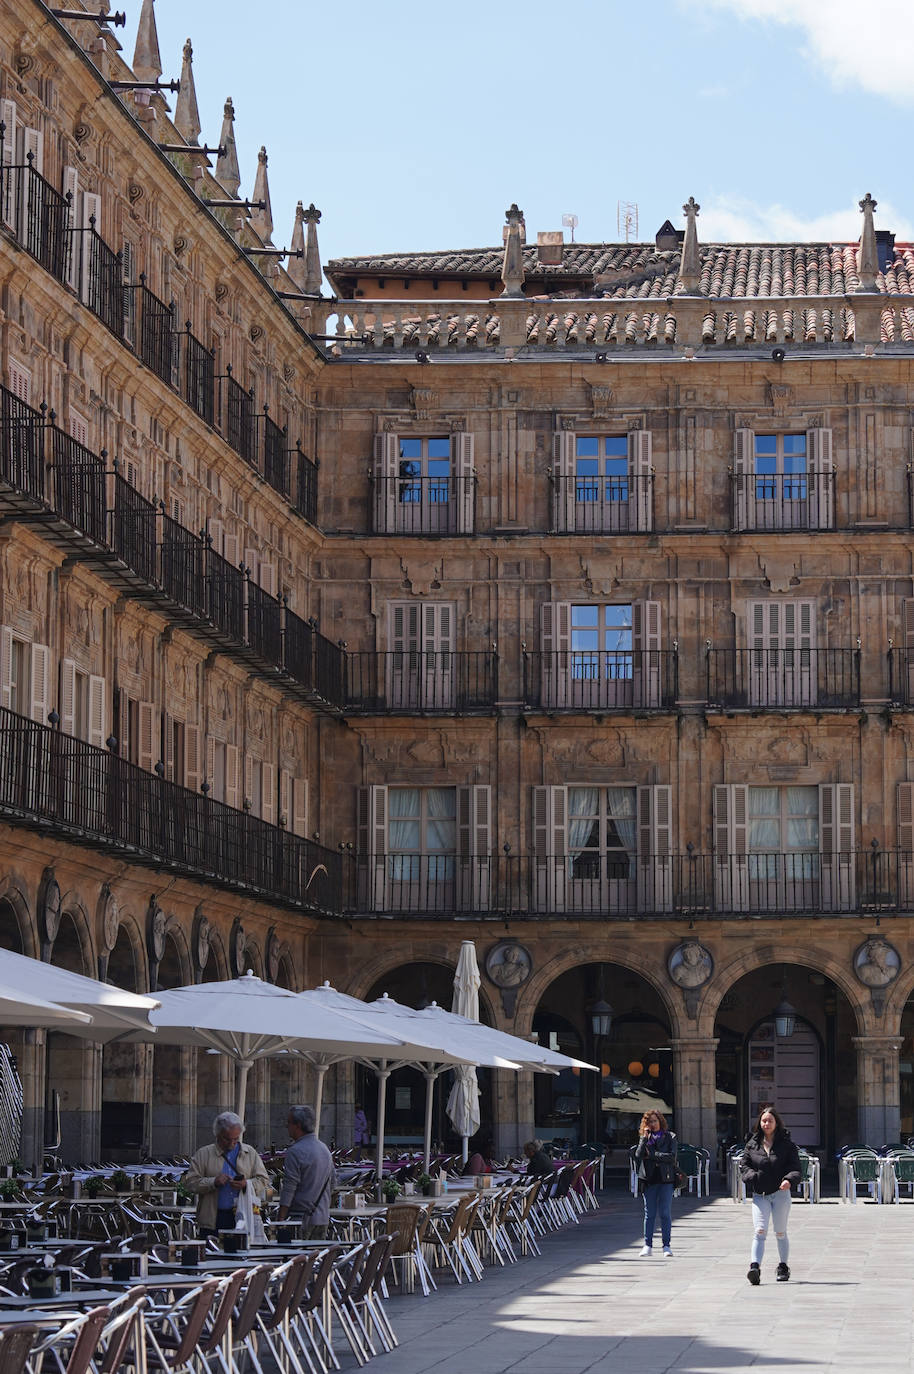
(785,1019)
(654,1070)
(635,1068)
(601,1017)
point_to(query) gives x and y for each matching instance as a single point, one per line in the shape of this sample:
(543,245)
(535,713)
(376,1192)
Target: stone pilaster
(878,1088)
(695,1081)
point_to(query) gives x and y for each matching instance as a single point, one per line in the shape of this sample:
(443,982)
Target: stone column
(32,1063)
(695,1082)
(513,1110)
(878,1088)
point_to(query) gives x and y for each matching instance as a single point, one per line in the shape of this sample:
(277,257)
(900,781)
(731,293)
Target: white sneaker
(667,1251)
(646,1252)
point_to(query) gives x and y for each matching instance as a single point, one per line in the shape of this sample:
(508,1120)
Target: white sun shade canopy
(113,1011)
(17,1008)
(525,1053)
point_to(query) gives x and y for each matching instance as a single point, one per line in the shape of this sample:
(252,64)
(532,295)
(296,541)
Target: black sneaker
(755,1275)
(783,1273)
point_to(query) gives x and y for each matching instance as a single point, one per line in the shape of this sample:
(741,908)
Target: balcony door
(785,1070)
(419,663)
(782,653)
(600,656)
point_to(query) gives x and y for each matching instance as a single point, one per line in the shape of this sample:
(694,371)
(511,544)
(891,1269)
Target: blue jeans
(765,1208)
(658,1197)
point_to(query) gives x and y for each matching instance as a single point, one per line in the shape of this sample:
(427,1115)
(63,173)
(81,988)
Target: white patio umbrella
(528,1054)
(109,1011)
(463,1102)
(248,1019)
(19,1008)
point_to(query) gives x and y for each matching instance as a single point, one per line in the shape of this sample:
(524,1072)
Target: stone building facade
(558,598)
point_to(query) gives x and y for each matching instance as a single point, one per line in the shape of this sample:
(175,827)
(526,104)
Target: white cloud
(870,46)
(736,219)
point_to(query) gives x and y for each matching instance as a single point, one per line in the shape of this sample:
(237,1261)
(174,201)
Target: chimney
(550,246)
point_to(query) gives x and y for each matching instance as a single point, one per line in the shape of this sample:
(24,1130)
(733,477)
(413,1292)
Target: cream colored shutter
(836,846)
(647,668)
(906,676)
(300,806)
(386,471)
(731,845)
(146,735)
(6,667)
(555,646)
(564,484)
(68,696)
(128,275)
(438,655)
(209,747)
(640,473)
(821,479)
(75,271)
(743,479)
(249,781)
(123,724)
(402,675)
(550,846)
(169,751)
(10,138)
(474,847)
(285,799)
(465,470)
(905,842)
(33,146)
(232,770)
(654,870)
(41,682)
(98,713)
(192,778)
(372,855)
(268,792)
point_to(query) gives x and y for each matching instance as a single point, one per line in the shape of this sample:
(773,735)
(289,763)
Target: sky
(413,125)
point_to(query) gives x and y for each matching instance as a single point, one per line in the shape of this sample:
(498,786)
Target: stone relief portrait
(508,964)
(877,963)
(690,965)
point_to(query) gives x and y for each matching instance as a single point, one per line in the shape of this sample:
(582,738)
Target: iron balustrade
(442,681)
(275,458)
(601,679)
(588,885)
(49,779)
(199,377)
(901,676)
(80,494)
(181,567)
(157,334)
(99,275)
(602,505)
(223,590)
(264,624)
(306,487)
(21,446)
(313,660)
(784,678)
(239,428)
(424,505)
(782,501)
(36,214)
(132,530)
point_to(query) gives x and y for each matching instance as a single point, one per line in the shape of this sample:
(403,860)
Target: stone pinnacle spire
(690,262)
(512,272)
(147,64)
(228,173)
(306,271)
(262,220)
(867,256)
(187,116)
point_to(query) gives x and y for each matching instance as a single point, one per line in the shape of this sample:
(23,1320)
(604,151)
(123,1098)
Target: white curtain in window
(441,810)
(620,808)
(583,806)
(802,818)
(764,819)
(403,825)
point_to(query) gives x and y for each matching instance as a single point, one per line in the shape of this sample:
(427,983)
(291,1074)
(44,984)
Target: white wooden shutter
(268,792)
(32,146)
(285,799)
(402,675)
(438,660)
(564,486)
(169,749)
(123,724)
(267,578)
(372,847)
(68,696)
(640,473)
(90,218)
(248,780)
(192,761)
(77,245)
(821,479)
(231,775)
(128,274)
(743,478)
(252,562)
(907,633)
(654,871)
(209,748)
(386,471)
(41,682)
(6,667)
(647,667)
(79,429)
(904,807)
(731,846)
(10,138)
(231,549)
(146,735)
(20,381)
(300,806)
(474,847)
(98,714)
(465,471)
(555,646)
(836,845)
(782,661)
(217,536)
(550,846)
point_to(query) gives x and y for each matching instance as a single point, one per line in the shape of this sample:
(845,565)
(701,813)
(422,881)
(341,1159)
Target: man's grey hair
(226,1119)
(305,1117)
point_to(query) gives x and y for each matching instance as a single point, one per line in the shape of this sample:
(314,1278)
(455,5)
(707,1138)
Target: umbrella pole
(320,1070)
(464,1148)
(241,1082)
(383,1075)
(431,1076)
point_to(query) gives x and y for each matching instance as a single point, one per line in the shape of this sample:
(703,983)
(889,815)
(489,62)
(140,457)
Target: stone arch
(253,957)
(897,996)
(374,972)
(286,976)
(73,907)
(748,960)
(217,969)
(13,895)
(645,966)
(175,932)
(130,929)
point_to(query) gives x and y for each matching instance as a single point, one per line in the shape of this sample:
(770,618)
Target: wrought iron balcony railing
(587,885)
(424,505)
(50,780)
(795,679)
(35,213)
(602,505)
(601,680)
(783,501)
(420,682)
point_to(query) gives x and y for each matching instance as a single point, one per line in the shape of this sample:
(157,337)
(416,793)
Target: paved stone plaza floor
(590,1304)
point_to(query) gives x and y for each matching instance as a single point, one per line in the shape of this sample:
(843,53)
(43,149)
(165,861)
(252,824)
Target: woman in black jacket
(655,1163)
(770,1164)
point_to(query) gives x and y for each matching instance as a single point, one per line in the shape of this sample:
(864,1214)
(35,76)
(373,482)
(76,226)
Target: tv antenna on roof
(627,220)
(570,222)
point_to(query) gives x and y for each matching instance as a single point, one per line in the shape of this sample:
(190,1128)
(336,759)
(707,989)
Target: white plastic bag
(248,1215)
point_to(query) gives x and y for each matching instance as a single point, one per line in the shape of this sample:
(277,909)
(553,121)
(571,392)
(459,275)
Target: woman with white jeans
(770,1164)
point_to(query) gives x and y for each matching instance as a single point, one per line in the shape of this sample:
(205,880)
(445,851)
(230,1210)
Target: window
(422,834)
(783,480)
(222,771)
(260,788)
(424,485)
(24,676)
(424,848)
(601,643)
(425,472)
(782,659)
(783,841)
(602,483)
(83,703)
(419,663)
(780,468)
(602,656)
(601,833)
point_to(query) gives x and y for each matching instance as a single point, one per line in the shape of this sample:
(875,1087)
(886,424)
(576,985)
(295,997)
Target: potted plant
(423,1183)
(10,1189)
(390,1189)
(93,1185)
(120,1181)
(183,1196)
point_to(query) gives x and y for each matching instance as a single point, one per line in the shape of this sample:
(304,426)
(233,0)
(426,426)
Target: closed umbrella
(463,1103)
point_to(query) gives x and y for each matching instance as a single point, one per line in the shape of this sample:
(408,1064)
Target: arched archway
(125,1068)
(174,1067)
(73,1073)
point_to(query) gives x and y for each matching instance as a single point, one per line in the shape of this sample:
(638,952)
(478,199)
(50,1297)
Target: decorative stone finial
(867,257)
(147,63)
(306,271)
(228,173)
(187,116)
(262,220)
(690,262)
(512,271)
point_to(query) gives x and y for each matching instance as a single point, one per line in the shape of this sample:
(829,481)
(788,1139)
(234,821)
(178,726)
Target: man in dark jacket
(769,1166)
(308,1176)
(538,1162)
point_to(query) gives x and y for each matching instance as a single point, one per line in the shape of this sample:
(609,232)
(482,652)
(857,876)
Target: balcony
(36,214)
(586,886)
(424,505)
(421,683)
(601,680)
(602,505)
(53,782)
(783,679)
(777,501)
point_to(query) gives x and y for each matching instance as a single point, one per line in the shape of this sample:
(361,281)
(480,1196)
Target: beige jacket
(208,1163)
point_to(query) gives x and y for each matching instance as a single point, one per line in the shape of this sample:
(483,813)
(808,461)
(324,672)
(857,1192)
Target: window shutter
(402,670)
(98,724)
(550,845)
(217,536)
(907,634)
(6,665)
(836,845)
(438,655)
(386,471)
(300,806)
(821,479)
(285,799)
(231,549)
(79,429)
(20,381)
(145,733)
(564,486)
(192,778)
(465,470)
(169,747)
(555,646)
(251,562)
(654,866)
(231,775)
(248,780)
(474,824)
(268,578)
(41,685)
(905,840)
(123,723)
(647,667)
(209,766)
(8,117)
(128,273)
(268,792)
(77,246)
(372,843)
(33,145)
(731,843)
(743,478)
(68,696)
(640,472)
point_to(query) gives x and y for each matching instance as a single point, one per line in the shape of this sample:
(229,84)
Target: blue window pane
(764,465)
(439,448)
(410,448)
(616,467)
(587,489)
(794,443)
(794,462)
(439,467)
(617,446)
(618,616)
(587,467)
(586,446)
(585,615)
(766,443)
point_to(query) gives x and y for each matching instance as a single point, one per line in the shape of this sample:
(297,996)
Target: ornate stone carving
(202,940)
(601,398)
(221,291)
(422,574)
(423,401)
(135,192)
(781,573)
(155,931)
(49,906)
(255,333)
(288,373)
(110,919)
(780,397)
(274,950)
(508,965)
(237,946)
(876,962)
(690,965)
(179,243)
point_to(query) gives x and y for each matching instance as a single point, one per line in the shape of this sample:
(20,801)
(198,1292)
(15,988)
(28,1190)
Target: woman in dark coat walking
(770,1164)
(655,1164)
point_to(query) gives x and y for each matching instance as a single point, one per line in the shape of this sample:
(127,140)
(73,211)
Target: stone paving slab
(590,1305)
